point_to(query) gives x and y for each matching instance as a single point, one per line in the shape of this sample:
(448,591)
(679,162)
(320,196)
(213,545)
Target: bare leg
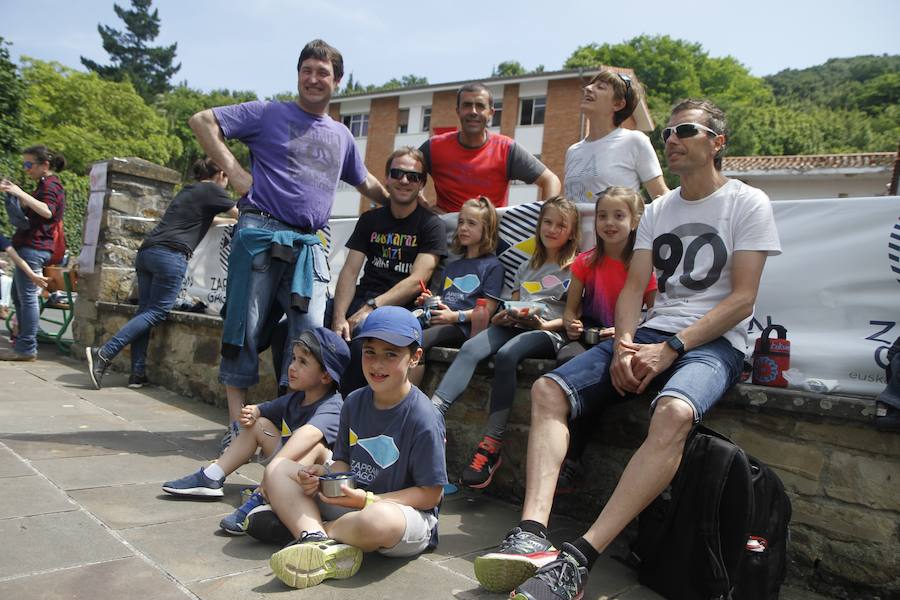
(380,525)
(648,472)
(547,445)
(245,445)
(237,398)
(296,510)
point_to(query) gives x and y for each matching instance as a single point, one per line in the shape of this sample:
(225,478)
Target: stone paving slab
(127,506)
(113,580)
(54,541)
(195,549)
(37,446)
(11,466)
(116,469)
(32,495)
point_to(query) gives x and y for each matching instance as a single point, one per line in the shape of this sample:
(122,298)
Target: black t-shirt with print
(391,246)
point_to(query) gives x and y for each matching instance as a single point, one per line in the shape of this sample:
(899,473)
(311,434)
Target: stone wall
(841,473)
(137,194)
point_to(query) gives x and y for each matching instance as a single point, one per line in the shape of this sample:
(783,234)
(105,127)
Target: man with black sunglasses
(473,162)
(396,247)
(707,241)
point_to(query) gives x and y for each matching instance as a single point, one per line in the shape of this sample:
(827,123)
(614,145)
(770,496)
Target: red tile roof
(808,162)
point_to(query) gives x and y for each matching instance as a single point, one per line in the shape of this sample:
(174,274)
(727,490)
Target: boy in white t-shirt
(707,242)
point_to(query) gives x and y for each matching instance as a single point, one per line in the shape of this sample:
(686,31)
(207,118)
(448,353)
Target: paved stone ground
(82,514)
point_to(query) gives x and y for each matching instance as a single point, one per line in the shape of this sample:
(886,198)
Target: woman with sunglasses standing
(38,214)
(611,155)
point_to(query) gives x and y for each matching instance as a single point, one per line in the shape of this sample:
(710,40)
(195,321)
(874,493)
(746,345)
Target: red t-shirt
(40,237)
(602,285)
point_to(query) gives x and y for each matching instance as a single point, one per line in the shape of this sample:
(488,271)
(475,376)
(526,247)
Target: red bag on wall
(771,357)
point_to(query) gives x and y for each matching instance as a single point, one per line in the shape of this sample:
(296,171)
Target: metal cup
(331,483)
(432,302)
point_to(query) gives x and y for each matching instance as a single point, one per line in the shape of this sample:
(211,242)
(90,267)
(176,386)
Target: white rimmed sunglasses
(686,130)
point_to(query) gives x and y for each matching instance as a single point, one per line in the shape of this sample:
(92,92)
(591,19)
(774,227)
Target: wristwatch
(676,344)
(462,318)
(371,303)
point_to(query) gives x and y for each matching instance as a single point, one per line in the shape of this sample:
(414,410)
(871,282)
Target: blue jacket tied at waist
(246,244)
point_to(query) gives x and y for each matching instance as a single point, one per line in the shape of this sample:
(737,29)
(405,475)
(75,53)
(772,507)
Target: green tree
(88,119)
(149,68)
(180,103)
(508,68)
(12,90)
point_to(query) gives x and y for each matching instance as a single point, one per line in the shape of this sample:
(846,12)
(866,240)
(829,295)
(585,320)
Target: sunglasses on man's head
(27,164)
(626,80)
(411,176)
(686,130)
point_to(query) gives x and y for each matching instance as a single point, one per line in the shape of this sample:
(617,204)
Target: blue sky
(253,44)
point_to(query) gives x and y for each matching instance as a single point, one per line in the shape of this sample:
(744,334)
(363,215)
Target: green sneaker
(314,558)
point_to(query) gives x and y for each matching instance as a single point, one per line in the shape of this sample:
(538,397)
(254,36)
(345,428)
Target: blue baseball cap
(329,348)
(393,324)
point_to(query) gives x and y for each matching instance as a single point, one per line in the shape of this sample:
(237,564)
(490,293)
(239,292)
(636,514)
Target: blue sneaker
(236,522)
(195,484)
(234,430)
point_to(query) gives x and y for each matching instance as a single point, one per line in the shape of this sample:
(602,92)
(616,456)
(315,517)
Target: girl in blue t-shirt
(518,332)
(478,273)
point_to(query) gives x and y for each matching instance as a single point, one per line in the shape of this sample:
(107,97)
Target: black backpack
(719,531)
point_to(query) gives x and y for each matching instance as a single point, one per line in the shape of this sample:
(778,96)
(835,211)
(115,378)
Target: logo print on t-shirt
(382,449)
(312,156)
(467,283)
(706,250)
(547,282)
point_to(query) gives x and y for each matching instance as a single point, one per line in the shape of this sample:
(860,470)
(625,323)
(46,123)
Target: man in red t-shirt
(473,162)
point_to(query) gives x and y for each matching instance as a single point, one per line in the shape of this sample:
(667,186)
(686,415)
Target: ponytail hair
(205,168)
(44,155)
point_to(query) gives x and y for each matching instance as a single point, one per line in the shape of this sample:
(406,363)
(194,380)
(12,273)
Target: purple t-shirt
(296,159)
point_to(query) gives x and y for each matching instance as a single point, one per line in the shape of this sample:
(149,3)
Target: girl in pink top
(598,276)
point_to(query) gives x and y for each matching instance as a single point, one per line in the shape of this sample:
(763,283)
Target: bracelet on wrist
(370,499)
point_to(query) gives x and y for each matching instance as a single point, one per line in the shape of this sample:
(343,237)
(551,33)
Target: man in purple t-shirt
(298,156)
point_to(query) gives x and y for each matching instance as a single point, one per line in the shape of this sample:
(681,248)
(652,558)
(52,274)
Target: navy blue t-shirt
(393,449)
(287,414)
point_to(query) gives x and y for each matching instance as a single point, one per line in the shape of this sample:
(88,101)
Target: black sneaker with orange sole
(485,463)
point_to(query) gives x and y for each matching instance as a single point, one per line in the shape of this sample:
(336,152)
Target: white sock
(214,472)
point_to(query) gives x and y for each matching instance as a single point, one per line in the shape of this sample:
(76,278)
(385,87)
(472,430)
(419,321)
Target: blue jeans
(160,273)
(699,377)
(270,284)
(509,346)
(25,299)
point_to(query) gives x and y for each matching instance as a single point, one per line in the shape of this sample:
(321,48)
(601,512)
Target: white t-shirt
(622,157)
(693,243)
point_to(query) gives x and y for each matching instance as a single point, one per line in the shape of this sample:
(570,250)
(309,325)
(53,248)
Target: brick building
(539,110)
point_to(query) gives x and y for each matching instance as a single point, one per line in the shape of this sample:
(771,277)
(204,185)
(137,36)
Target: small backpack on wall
(719,530)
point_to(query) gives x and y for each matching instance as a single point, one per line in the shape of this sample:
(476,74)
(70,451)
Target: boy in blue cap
(392,439)
(297,425)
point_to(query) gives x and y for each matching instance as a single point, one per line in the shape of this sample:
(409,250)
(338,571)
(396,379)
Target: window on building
(498,113)
(357,124)
(532,112)
(403,120)
(426,119)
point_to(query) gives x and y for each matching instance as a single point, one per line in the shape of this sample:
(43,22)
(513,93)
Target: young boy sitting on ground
(392,439)
(307,421)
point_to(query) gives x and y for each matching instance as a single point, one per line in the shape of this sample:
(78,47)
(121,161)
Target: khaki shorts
(416,537)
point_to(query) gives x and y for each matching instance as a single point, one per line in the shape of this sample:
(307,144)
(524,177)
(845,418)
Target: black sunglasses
(686,130)
(411,176)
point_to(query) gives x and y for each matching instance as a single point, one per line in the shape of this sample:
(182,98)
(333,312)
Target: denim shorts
(700,377)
